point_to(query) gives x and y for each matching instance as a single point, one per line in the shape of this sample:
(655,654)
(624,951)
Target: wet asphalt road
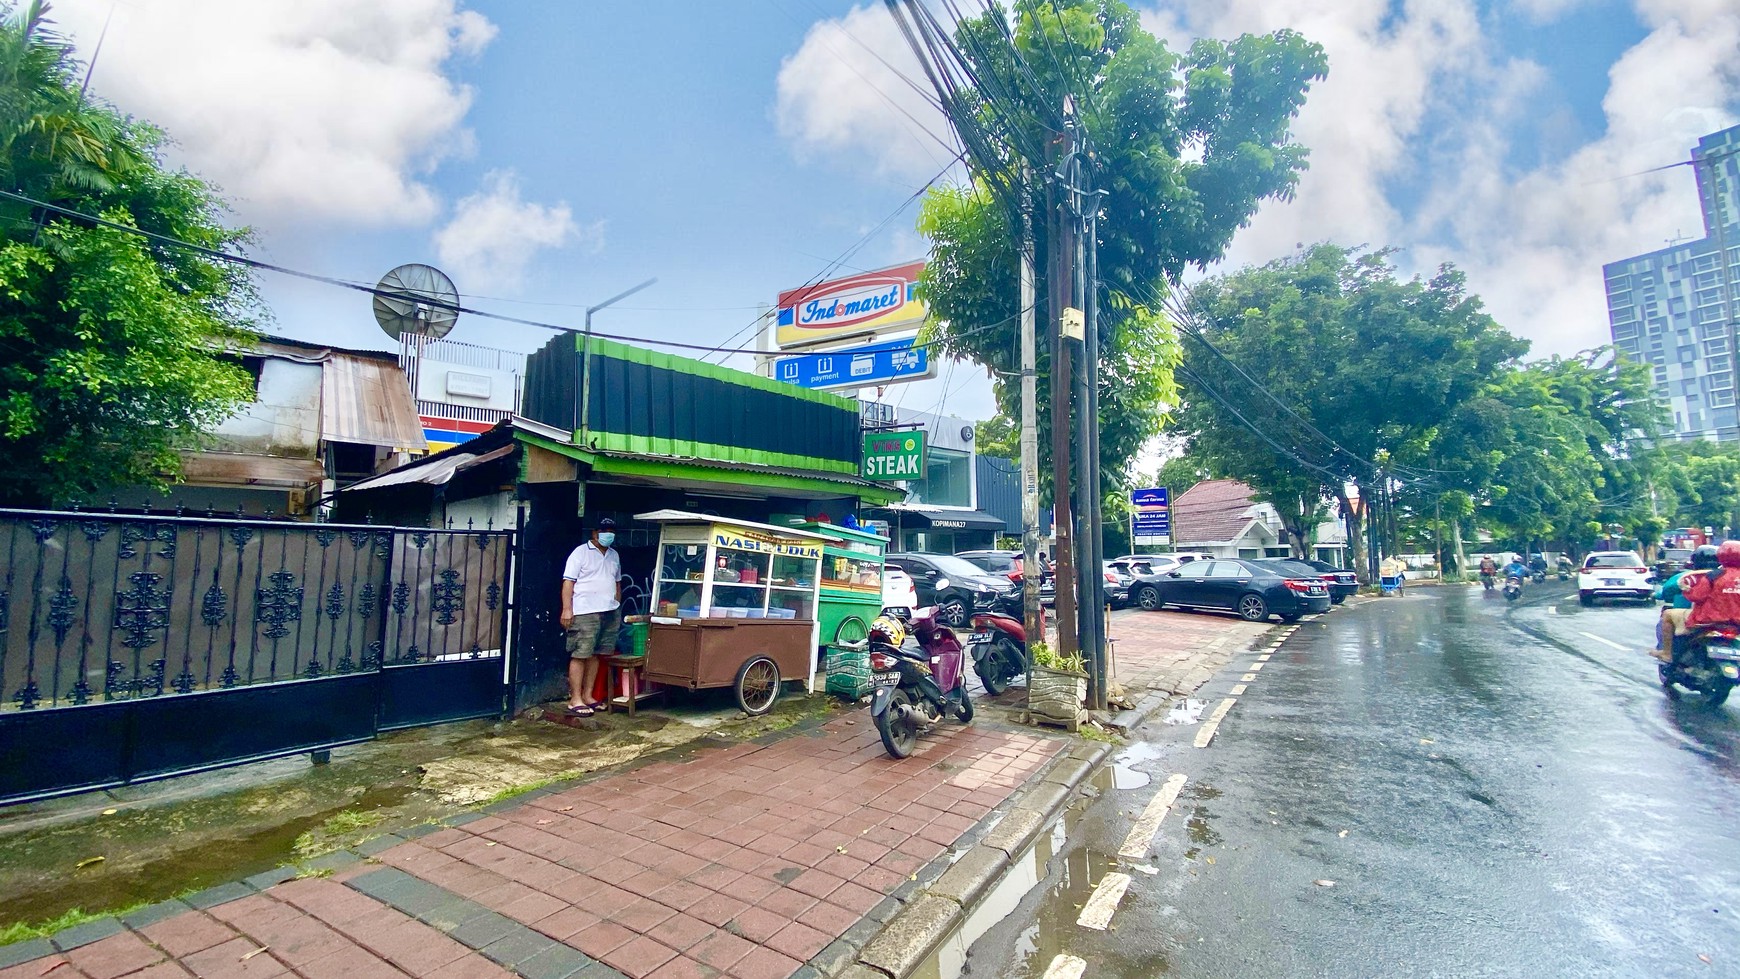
(1493,792)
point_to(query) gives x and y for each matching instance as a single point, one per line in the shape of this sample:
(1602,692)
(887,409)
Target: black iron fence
(104,610)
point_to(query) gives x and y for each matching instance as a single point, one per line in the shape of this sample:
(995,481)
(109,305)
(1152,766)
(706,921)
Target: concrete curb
(925,911)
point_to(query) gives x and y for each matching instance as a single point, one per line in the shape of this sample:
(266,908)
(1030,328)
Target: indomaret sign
(883,302)
(890,456)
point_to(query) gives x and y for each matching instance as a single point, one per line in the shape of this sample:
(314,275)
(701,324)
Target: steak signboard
(883,301)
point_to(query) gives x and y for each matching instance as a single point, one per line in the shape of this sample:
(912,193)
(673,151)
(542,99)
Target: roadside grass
(514,791)
(20,931)
(328,836)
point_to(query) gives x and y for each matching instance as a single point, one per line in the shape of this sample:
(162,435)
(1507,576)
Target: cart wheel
(852,629)
(757,685)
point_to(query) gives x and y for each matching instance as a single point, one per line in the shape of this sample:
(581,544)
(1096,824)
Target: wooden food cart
(734,606)
(851,595)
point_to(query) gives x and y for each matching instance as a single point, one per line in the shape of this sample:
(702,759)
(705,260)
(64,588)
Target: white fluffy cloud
(318,111)
(840,95)
(494,235)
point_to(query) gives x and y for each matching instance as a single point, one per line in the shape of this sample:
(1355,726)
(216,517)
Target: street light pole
(584,410)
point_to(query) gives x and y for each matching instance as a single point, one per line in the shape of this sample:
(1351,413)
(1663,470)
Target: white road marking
(1254,667)
(1097,912)
(1263,658)
(1248,677)
(1238,690)
(1599,639)
(1206,734)
(1142,833)
(1066,967)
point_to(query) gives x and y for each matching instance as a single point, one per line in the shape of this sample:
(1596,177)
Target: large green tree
(1186,147)
(1330,371)
(110,345)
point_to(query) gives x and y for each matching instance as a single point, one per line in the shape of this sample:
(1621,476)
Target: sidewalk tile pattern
(744,862)
(1175,652)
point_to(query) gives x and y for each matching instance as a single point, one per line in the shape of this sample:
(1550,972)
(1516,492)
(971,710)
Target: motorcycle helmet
(1728,555)
(1703,558)
(888,629)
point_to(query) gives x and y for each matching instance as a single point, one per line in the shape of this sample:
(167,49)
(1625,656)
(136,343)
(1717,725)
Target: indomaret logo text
(871,300)
(863,301)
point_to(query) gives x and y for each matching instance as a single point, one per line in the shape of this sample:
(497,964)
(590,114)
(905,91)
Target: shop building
(941,512)
(610,430)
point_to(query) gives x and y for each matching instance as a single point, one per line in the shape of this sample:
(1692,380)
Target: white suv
(897,589)
(1614,574)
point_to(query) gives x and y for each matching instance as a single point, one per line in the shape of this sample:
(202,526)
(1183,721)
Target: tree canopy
(110,345)
(1186,147)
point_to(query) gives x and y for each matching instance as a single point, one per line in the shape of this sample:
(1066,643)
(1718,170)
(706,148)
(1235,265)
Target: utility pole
(1095,522)
(1057,282)
(1031,573)
(1090,568)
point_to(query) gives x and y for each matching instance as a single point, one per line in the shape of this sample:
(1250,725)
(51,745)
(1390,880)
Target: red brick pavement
(744,861)
(1175,652)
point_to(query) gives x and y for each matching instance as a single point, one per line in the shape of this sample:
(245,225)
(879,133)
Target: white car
(1614,574)
(897,589)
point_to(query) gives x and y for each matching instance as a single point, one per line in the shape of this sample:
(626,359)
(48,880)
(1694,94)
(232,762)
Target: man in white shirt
(591,593)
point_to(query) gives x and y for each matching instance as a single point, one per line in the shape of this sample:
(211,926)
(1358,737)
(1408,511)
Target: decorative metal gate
(137,647)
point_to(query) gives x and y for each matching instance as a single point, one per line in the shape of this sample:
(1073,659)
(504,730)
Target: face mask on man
(606,538)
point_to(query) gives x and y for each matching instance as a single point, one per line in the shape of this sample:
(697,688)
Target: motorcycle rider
(1673,616)
(1715,594)
(1538,565)
(1488,571)
(1516,569)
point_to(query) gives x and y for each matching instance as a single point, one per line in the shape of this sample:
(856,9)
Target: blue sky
(556,153)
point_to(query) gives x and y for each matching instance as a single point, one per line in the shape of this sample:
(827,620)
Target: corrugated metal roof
(435,473)
(238,469)
(367,401)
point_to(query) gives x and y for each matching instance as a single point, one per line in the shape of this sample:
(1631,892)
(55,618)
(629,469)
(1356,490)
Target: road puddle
(1187,711)
(1123,768)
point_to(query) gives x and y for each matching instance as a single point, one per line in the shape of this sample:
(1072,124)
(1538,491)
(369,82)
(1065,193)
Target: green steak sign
(890,456)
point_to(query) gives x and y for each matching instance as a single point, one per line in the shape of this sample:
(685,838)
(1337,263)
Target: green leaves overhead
(108,343)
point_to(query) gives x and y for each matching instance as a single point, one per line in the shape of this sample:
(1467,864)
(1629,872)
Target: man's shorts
(590,632)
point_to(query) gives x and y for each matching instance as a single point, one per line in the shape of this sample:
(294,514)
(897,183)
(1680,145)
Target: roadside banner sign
(1150,516)
(890,456)
(884,301)
(855,367)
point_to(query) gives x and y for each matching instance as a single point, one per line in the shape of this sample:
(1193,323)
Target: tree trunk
(1355,539)
(1456,542)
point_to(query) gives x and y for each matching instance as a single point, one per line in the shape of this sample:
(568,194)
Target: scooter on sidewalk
(999,647)
(918,678)
(1708,662)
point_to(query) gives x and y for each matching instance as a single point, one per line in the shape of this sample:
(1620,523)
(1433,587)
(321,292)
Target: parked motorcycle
(1513,587)
(917,681)
(999,648)
(1710,666)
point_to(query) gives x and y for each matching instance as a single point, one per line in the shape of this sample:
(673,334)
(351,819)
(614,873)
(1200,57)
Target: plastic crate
(637,633)
(848,673)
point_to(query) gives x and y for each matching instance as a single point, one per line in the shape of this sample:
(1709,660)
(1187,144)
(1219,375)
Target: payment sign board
(891,456)
(854,367)
(884,301)
(1151,516)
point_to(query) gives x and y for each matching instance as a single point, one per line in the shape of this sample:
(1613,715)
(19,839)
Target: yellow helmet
(888,629)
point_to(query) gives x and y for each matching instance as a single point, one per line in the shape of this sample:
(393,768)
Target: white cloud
(302,111)
(841,95)
(494,235)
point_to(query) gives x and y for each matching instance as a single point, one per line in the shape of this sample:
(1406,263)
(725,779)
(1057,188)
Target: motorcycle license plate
(979,637)
(891,677)
(1722,650)
(1731,671)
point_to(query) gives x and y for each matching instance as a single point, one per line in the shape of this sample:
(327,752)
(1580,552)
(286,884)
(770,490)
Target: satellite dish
(416,300)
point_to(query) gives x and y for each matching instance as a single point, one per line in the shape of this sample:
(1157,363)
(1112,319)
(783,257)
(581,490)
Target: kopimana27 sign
(890,456)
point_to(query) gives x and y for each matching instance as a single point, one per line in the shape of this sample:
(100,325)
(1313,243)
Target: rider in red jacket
(1715,595)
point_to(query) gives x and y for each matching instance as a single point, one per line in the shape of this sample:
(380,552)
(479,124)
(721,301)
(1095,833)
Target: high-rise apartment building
(1674,308)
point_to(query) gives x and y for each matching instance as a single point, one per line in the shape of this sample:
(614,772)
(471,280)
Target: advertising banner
(890,456)
(872,302)
(853,367)
(1151,516)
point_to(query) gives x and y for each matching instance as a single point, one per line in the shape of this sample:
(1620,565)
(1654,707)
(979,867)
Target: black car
(1342,582)
(956,586)
(1253,589)
(1009,565)
(1672,561)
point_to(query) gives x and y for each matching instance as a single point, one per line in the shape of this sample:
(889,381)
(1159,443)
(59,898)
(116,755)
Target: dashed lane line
(1097,912)
(1606,641)
(1247,678)
(1238,690)
(1066,967)
(1254,667)
(1206,734)
(1264,658)
(1141,835)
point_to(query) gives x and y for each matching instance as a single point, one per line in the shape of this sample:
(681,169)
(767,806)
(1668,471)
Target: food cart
(734,606)
(851,595)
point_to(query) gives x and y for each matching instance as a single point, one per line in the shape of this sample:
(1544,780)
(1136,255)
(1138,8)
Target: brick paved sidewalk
(746,861)
(1175,652)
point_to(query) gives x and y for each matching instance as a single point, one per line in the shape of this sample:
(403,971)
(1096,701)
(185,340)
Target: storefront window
(948,479)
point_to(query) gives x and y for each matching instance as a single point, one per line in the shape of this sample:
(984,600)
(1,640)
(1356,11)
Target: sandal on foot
(579,710)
